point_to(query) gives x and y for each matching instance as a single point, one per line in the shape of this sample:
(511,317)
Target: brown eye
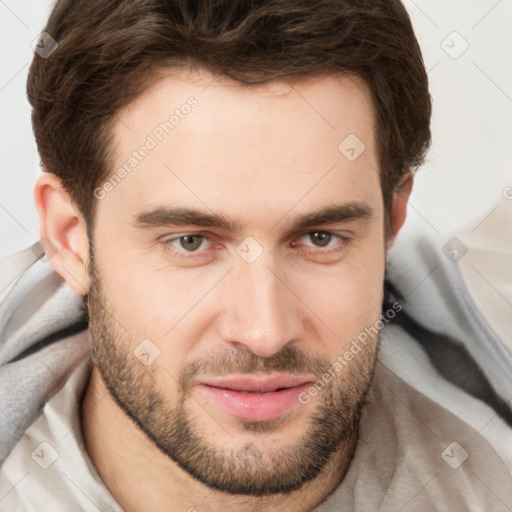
(191,242)
(320,238)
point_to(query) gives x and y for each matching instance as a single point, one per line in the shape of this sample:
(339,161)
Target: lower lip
(255,406)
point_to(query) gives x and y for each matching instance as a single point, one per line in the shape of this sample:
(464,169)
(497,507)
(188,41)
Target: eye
(190,243)
(321,238)
(322,246)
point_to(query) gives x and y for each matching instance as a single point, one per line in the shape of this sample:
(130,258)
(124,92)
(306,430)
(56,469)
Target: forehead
(194,139)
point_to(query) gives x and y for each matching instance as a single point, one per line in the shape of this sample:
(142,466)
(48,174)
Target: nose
(262,312)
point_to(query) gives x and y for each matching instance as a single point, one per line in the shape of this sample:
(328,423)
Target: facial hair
(249,470)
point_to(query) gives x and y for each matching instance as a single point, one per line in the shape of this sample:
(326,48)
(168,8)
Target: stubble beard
(247,469)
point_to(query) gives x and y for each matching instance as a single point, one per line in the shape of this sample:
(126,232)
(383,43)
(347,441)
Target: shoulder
(50,464)
(414,454)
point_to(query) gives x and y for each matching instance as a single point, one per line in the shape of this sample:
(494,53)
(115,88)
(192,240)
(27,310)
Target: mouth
(256,398)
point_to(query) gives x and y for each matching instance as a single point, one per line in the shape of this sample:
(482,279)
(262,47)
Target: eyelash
(187,254)
(339,246)
(342,240)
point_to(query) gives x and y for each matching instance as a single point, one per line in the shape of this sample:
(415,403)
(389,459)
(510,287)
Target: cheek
(149,305)
(347,298)
(159,303)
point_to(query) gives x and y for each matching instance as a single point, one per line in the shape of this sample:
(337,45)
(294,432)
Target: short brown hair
(109,50)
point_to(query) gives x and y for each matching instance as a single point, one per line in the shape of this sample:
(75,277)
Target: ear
(399,206)
(63,232)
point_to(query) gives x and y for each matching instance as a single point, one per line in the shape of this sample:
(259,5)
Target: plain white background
(467,47)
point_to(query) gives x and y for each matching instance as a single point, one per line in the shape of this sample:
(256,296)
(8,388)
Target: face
(236,259)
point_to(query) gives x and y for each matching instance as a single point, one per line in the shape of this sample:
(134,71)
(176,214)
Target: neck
(141,478)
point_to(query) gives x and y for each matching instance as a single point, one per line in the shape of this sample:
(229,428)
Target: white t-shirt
(412,455)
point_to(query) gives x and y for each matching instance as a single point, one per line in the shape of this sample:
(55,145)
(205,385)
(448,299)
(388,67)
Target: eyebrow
(333,214)
(163,216)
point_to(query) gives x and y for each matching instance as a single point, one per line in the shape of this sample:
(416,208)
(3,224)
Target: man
(222,183)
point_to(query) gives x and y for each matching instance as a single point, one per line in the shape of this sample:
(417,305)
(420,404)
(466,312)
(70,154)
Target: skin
(263,157)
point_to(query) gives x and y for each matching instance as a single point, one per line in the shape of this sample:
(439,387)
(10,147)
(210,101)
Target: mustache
(288,360)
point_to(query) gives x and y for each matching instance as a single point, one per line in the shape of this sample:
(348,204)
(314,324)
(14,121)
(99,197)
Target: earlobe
(399,206)
(63,232)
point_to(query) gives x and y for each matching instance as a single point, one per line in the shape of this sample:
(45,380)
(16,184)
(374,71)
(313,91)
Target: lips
(256,398)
